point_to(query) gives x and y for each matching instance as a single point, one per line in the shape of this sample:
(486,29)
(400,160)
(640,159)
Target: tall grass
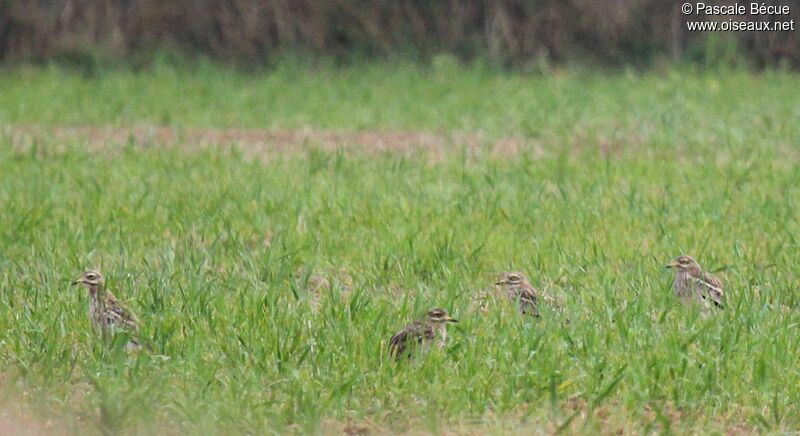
(205,246)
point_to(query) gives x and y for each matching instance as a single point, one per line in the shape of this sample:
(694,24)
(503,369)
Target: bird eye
(513,277)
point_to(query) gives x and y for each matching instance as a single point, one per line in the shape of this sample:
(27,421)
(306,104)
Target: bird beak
(449,319)
(501,282)
(75,282)
(671,265)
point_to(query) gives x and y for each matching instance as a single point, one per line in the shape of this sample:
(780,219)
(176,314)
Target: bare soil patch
(263,143)
(15,422)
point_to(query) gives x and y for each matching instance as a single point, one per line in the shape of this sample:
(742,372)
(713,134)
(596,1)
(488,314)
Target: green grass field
(612,175)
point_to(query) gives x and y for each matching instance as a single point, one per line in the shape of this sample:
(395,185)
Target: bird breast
(96,309)
(682,286)
(441,332)
(513,292)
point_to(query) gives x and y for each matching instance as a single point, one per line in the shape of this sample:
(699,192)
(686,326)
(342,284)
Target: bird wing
(528,301)
(118,315)
(714,288)
(412,334)
(709,288)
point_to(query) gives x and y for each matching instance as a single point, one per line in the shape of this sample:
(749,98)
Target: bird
(106,313)
(520,291)
(317,284)
(692,285)
(421,334)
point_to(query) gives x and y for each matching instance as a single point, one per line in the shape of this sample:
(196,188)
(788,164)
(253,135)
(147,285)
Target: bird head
(511,279)
(440,316)
(684,263)
(90,278)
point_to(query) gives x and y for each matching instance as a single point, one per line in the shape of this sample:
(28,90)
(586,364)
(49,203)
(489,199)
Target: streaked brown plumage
(520,291)
(318,284)
(421,334)
(106,313)
(692,285)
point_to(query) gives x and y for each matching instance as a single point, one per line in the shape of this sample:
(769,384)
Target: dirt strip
(263,143)
(14,423)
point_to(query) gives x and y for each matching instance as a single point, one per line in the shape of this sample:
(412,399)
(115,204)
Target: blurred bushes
(505,32)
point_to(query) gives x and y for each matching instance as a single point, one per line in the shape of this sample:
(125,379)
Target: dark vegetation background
(507,33)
